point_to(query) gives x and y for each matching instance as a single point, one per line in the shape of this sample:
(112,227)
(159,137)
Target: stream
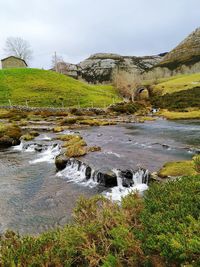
(35,198)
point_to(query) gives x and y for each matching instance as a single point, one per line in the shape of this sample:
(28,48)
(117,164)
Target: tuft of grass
(42,88)
(178,168)
(175,115)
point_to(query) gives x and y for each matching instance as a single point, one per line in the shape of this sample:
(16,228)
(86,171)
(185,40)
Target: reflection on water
(33,198)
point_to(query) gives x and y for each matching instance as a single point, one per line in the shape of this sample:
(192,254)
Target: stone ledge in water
(105,177)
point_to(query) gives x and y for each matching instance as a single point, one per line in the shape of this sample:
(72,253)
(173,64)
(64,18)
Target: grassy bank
(178,83)
(178,97)
(162,229)
(175,115)
(41,88)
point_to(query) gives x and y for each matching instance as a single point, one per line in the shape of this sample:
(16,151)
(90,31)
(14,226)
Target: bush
(171,221)
(162,229)
(126,107)
(179,100)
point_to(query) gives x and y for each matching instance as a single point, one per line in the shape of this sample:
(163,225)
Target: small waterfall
(78,172)
(120,182)
(119,178)
(19,147)
(48,155)
(128,181)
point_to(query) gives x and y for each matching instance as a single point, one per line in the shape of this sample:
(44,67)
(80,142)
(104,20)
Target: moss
(9,135)
(180,168)
(96,122)
(68,121)
(145,118)
(74,144)
(187,114)
(126,107)
(94,149)
(75,150)
(58,129)
(27,137)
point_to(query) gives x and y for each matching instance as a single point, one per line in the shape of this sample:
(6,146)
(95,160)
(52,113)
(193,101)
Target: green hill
(178,83)
(180,95)
(50,89)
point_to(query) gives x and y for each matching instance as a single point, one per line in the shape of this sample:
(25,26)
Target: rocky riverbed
(34,196)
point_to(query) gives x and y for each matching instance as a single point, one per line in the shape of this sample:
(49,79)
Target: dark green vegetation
(178,100)
(162,229)
(41,88)
(127,108)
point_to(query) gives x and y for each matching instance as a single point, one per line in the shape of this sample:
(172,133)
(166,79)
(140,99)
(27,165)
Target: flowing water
(34,197)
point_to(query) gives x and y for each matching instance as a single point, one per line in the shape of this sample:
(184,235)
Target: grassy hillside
(47,88)
(178,83)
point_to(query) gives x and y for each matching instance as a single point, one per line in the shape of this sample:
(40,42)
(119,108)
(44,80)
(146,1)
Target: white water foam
(119,191)
(48,155)
(113,153)
(25,148)
(76,174)
(44,138)
(19,147)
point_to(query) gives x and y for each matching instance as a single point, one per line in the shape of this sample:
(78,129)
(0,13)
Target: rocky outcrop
(99,68)
(186,53)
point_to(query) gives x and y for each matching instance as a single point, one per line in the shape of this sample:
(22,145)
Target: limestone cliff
(99,68)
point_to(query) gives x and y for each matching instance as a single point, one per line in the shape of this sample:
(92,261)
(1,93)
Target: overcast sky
(79,28)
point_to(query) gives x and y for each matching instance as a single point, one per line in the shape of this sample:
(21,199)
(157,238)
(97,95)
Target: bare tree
(16,46)
(127,83)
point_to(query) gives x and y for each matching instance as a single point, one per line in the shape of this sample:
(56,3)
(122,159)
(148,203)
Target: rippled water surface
(34,199)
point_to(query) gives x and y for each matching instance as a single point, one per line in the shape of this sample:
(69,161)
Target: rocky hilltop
(99,68)
(186,53)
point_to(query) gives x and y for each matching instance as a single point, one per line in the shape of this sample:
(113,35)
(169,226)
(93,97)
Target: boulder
(107,178)
(61,162)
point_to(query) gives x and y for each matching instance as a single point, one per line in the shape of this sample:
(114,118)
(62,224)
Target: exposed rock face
(99,68)
(186,53)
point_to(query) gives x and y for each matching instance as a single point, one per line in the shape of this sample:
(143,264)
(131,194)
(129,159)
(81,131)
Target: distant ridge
(186,53)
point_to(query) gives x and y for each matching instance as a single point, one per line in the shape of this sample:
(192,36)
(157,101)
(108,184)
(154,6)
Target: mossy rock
(68,121)
(75,151)
(95,122)
(27,137)
(94,149)
(61,162)
(68,137)
(175,169)
(9,135)
(58,129)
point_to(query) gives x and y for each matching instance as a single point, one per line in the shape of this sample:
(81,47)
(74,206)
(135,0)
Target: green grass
(180,168)
(50,89)
(178,83)
(160,229)
(175,115)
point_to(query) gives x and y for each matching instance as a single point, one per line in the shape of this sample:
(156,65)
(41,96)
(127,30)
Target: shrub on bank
(126,107)
(178,100)
(162,229)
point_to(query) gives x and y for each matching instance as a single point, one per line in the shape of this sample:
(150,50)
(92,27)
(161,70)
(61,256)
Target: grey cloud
(77,28)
